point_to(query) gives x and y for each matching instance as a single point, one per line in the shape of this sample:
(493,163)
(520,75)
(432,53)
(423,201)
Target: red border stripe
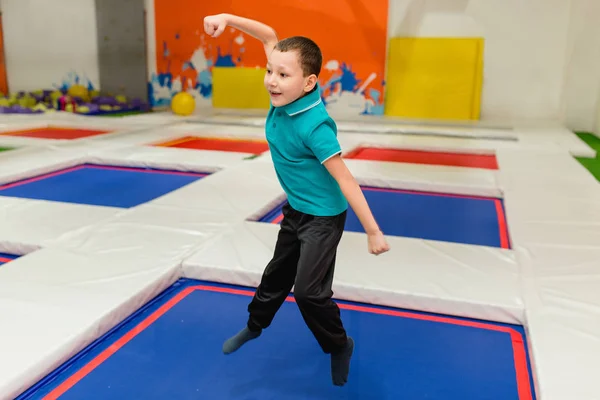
(39,177)
(148,171)
(424,156)
(518,345)
(504,241)
(426,193)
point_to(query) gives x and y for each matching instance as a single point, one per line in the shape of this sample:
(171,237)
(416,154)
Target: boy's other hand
(377,243)
(214,25)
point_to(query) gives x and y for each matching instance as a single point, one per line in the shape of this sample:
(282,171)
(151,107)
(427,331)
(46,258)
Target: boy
(306,156)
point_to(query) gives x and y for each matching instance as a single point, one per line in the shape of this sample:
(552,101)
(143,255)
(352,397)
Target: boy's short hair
(310,55)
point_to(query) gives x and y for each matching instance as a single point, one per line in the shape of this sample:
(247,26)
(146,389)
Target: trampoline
(55,132)
(219,144)
(5,258)
(101,185)
(485,161)
(432,216)
(171,348)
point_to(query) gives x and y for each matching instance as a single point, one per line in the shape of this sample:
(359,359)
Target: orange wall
(351,33)
(3,80)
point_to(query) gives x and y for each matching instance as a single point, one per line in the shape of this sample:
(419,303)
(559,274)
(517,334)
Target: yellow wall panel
(239,88)
(434,78)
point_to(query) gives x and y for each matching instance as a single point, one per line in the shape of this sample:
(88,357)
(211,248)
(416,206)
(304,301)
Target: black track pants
(304,258)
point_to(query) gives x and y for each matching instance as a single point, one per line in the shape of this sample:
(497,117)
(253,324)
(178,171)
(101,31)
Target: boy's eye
(282,75)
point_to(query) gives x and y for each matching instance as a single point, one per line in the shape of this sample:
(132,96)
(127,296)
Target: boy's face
(285,80)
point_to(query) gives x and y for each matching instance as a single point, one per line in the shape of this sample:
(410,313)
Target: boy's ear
(311,81)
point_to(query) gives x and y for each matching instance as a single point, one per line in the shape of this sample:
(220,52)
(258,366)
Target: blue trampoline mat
(171,349)
(101,185)
(5,257)
(432,216)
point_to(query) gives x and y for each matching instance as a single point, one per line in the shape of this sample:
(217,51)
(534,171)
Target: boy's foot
(340,364)
(235,342)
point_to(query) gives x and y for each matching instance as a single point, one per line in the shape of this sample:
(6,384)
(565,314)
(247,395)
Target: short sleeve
(322,141)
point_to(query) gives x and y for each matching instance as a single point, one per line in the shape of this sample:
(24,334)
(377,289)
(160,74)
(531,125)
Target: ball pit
(77,99)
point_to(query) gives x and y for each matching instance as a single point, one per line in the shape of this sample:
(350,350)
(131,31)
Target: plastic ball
(55,95)
(79,91)
(183,104)
(82,109)
(40,107)
(27,100)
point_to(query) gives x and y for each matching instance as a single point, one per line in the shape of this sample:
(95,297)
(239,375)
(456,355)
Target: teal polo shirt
(301,137)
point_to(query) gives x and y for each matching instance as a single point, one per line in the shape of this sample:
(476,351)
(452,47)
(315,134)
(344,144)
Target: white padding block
(145,134)
(163,229)
(167,158)
(448,278)
(568,209)
(247,191)
(550,199)
(563,318)
(37,161)
(553,221)
(550,173)
(29,224)
(431,178)
(128,239)
(53,303)
(551,136)
(226,131)
(418,143)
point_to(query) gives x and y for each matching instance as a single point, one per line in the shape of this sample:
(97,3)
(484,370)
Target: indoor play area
(139,204)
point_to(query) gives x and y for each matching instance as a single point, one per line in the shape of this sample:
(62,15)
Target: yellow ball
(183,104)
(79,91)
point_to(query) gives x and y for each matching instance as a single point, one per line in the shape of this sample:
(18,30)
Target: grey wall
(122,47)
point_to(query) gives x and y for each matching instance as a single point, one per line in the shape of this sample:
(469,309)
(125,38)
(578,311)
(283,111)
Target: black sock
(340,364)
(235,342)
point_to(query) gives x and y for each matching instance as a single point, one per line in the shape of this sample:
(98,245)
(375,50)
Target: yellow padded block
(434,78)
(239,87)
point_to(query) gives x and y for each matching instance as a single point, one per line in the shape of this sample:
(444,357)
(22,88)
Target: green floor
(123,114)
(592,164)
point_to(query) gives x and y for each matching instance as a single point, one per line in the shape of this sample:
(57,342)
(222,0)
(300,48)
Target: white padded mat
(432,178)
(144,135)
(167,158)
(550,199)
(245,190)
(39,161)
(563,318)
(28,224)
